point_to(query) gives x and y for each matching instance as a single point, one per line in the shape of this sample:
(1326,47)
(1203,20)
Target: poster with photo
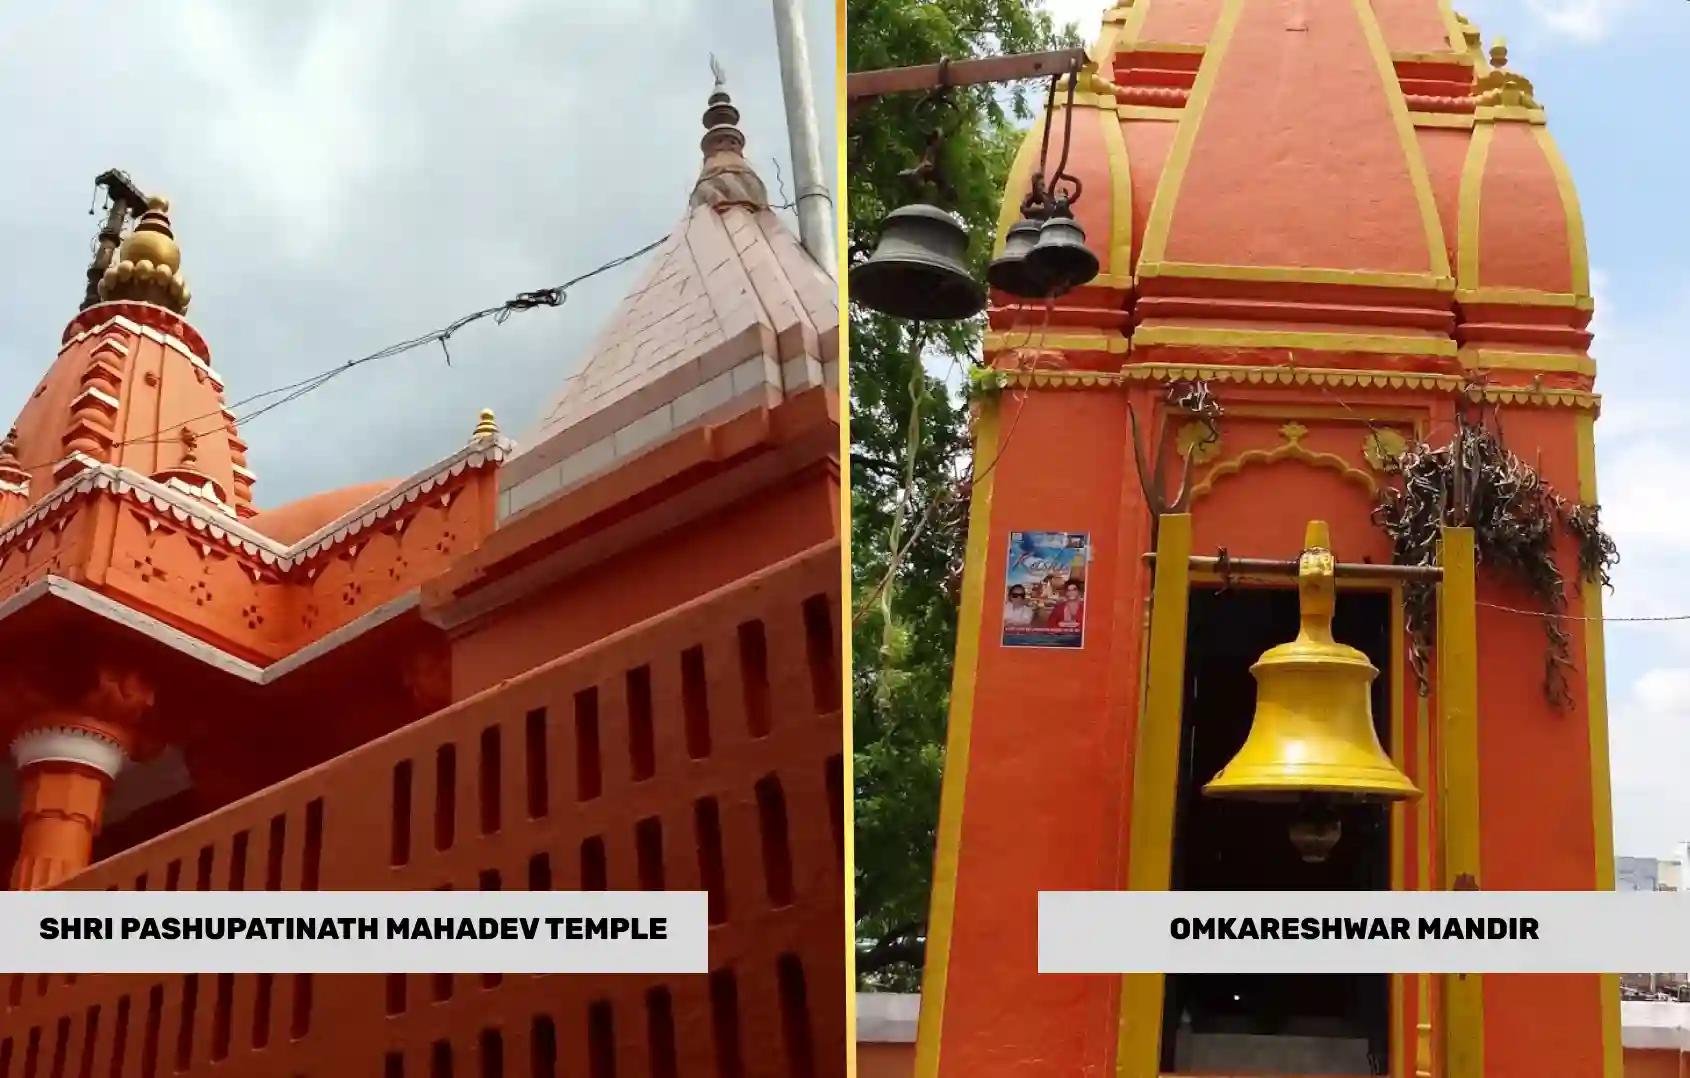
(1044,599)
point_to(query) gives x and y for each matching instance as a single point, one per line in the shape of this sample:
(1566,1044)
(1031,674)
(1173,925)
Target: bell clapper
(1316,829)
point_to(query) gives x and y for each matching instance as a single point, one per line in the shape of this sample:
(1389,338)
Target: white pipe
(814,198)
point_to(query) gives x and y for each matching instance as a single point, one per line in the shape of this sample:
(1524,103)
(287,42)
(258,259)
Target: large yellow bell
(1312,735)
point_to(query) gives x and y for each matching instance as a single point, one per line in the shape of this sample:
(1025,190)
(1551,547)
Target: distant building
(1653,874)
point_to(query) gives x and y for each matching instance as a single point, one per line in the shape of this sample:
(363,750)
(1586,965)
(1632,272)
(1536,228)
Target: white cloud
(1648,731)
(1586,21)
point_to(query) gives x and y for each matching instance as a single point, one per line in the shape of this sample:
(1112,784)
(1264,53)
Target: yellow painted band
(1155,779)
(1179,154)
(1108,34)
(1001,340)
(1133,26)
(942,911)
(1285,375)
(1417,177)
(1579,253)
(1601,793)
(1441,119)
(1171,48)
(1458,704)
(1452,28)
(1120,262)
(1467,228)
(1196,336)
(1491,359)
(1399,819)
(1423,826)
(1149,112)
(1531,297)
(1293,274)
(1436,57)
(1510,113)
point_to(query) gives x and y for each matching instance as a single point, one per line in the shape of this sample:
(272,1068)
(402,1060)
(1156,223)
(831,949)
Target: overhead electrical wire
(554,296)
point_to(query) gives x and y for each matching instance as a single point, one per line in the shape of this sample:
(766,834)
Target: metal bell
(1312,735)
(1010,272)
(919,269)
(1061,258)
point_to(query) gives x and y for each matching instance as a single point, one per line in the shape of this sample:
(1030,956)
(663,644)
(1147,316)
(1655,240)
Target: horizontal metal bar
(897,80)
(1288,567)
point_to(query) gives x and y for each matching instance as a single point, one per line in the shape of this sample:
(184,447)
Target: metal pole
(814,199)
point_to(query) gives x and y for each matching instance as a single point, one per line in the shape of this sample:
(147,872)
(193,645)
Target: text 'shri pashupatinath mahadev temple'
(608,659)
(1331,231)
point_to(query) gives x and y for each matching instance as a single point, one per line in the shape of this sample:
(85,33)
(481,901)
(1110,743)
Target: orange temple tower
(609,659)
(1339,227)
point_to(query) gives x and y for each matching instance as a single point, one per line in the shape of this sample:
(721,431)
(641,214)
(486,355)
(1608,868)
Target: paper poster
(1044,600)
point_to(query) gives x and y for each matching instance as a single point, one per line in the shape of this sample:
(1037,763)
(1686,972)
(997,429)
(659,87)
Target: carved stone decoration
(1382,446)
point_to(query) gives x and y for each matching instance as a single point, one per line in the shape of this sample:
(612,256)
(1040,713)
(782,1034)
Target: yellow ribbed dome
(148,266)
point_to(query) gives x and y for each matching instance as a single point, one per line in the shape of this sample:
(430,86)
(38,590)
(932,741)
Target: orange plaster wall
(56,551)
(1444,149)
(647,579)
(163,391)
(897,1061)
(1412,25)
(1187,23)
(1654,1063)
(1262,187)
(1049,757)
(1148,142)
(1096,208)
(254,611)
(1522,225)
(1535,1024)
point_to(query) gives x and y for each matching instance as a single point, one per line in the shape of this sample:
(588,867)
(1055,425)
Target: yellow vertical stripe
(1458,700)
(1179,154)
(1601,793)
(1577,252)
(1155,778)
(1467,220)
(1413,160)
(942,912)
(1399,822)
(1120,261)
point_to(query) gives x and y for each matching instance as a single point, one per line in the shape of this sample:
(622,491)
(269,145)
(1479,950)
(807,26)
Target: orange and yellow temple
(1349,223)
(607,659)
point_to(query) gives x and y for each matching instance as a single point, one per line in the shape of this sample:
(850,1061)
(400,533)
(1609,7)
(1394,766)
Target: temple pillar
(65,773)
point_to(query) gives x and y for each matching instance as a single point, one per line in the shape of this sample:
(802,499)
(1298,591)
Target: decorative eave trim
(1315,376)
(68,744)
(165,339)
(239,537)
(192,646)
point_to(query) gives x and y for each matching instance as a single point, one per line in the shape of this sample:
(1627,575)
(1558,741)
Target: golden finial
(1499,52)
(485,427)
(148,266)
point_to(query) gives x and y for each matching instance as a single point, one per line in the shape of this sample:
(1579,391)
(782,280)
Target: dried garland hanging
(1514,513)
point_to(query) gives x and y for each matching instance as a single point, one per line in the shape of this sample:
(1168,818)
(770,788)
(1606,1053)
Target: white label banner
(354,932)
(1363,931)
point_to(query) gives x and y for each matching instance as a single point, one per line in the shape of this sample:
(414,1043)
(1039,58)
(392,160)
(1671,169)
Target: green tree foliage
(906,477)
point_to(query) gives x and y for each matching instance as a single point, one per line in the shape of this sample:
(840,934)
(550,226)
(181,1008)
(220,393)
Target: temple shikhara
(606,658)
(1335,237)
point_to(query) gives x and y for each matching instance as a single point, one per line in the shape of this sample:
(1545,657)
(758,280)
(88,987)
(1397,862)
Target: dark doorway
(1314,1024)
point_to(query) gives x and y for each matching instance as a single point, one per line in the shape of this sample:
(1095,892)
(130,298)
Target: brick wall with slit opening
(702,750)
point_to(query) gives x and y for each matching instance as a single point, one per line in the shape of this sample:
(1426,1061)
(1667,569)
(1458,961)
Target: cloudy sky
(1611,74)
(348,175)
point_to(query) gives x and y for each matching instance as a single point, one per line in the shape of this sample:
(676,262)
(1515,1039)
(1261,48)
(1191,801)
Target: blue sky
(1612,75)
